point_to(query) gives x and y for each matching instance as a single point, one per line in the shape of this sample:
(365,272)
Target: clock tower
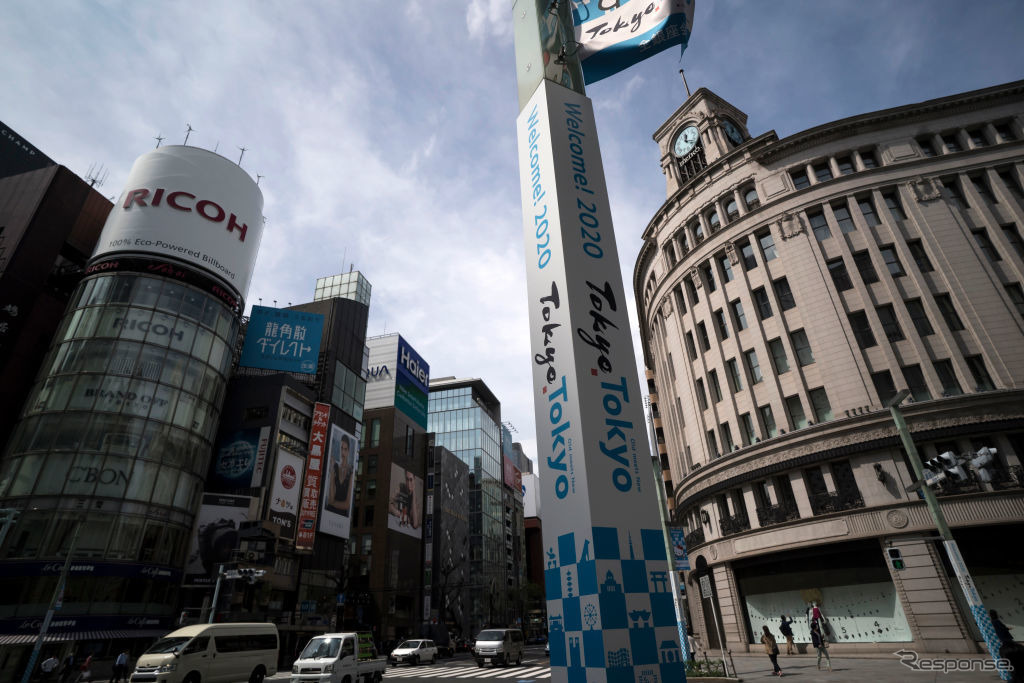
(702,131)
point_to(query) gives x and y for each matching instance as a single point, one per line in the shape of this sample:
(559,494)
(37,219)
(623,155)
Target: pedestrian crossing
(472,672)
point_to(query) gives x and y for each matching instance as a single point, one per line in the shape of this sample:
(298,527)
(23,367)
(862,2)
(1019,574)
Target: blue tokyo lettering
(548,356)
(600,297)
(587,215)
(556,401)
(538,192)
(614,444)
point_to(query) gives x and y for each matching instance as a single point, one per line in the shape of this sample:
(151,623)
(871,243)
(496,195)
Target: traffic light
(942,466)
(247,574)
(984,462)
(896,558)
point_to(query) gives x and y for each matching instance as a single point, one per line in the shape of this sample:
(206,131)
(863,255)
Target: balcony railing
(1013,478)
(951,487)
(824,503)
(777,514)
(695,537)
(734,524)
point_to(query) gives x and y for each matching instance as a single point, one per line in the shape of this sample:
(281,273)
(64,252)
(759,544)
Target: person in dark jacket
(820,643)
(772,648)
(787,631)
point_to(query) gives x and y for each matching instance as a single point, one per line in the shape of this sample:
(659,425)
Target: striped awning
(21,639)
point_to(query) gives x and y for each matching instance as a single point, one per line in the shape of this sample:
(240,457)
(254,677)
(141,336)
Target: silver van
(211,653)
(501,646)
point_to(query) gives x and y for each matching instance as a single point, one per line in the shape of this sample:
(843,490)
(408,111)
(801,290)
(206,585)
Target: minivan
(211,653)
(498,645)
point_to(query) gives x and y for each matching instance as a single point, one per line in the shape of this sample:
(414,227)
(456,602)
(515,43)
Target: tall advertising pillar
(611,613)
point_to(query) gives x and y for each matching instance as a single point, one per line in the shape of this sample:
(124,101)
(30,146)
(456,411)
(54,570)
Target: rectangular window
(915,382)
(702,334)
(763,303)
(800,179)
(671,368)
(845,165)
(677,291)
(822,172)
(716,388)
(948,310)
(784,294)
(843,217)
(691,292)
(738,316)
(767,246)
(977,136)
(768,421)
(727,443)
(982,188)
(920,318)
(713,444)
(840,278)
(892,202)
(819,225)
(926,147)
(1004,133)
(861,329)
(1012,236)
(795,411)
(1016,294)
(982,380)
(747,253)
(735,380)
(1009,179)
(747,427)
(892,261)
(801,347)
(951,142)
(884,386)
(868,159)
(947,377)
(890,323)
(820,404)
(691,349)
(779,360)
(924,264)
(702,397)
(984,243)
(862,259)
(867,209)
(753,367)
(720,325)
(709,277)
(726,268)
(956,197)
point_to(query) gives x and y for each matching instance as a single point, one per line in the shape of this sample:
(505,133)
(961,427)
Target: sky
(385,131)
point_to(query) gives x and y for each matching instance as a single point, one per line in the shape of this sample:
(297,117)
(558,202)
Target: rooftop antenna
(159,138)
(685,84)
(258,178)
(275,303)
(261,300)
(97,175)
(216,147)
(188,131)
(241,155)
(351,267)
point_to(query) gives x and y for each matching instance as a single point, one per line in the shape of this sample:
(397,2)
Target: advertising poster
(279,339)
(412,383)
(405,502)
(233,465)
(338,481)
(305,530)
(284,494)
(216,536)
(682,562)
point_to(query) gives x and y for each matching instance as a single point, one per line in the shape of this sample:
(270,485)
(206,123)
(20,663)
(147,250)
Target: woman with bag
(820,643)
(772,648)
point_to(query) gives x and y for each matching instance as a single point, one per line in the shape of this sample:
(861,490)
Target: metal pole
(721,643)
(56,601)
(659,484)
(981,616)
(216,593)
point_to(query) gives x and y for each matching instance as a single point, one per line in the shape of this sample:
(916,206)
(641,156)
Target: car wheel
(192,678)
(480,663)
(414,661)
(519,659)
(258,674)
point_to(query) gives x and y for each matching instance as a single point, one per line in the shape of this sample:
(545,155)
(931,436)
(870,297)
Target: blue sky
(386,130)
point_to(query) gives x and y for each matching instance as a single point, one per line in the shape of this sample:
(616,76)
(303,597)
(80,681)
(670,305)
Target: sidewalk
(752,666)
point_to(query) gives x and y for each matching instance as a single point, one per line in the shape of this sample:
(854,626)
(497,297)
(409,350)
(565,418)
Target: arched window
(732,209)
(713,221)
(751,199)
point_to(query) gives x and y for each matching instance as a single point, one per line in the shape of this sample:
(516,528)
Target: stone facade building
(787,289)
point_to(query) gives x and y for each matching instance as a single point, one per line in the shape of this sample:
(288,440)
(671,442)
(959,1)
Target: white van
(499,645)
(211,653)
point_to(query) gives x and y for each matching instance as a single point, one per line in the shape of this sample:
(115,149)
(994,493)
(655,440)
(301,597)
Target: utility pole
(56,602)
(981,616)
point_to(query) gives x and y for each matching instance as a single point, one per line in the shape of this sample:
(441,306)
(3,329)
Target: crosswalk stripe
(470,672)
(524,673)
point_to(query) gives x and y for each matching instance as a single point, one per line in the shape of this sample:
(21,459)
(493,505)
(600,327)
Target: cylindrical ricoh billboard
(190,205)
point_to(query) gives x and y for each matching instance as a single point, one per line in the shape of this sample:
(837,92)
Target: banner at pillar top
(613,35)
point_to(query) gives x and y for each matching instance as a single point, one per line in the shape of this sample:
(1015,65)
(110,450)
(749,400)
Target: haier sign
(412,383)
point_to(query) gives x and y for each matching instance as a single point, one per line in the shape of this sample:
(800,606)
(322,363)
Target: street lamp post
(981,616)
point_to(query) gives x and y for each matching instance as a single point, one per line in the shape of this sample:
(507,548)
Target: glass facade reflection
(466,419)
(112,449)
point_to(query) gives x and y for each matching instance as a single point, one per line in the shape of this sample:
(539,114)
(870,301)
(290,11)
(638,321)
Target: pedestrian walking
(85,671)
(820,643)
(772,648)
(68,668)
(48,666)
(120,668)
(787,631)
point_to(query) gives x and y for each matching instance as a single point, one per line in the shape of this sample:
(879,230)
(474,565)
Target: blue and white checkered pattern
(988,632)
(610,609)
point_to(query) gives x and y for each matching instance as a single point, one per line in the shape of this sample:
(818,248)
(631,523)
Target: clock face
(732,132)
(686,141)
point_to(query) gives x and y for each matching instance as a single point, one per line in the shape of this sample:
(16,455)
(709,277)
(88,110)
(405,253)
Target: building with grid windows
(787,289)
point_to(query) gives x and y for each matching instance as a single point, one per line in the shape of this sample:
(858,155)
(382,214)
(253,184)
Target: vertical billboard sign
(405,502)
(679,557)
(216,536)
(309,501)
(235,464)
(611,612)
(284,494)
(338,480)
(412,383)
(279,339)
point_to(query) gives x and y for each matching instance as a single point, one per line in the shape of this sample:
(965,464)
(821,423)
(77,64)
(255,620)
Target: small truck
(339,658)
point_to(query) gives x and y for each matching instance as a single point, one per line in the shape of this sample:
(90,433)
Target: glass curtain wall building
(466,418)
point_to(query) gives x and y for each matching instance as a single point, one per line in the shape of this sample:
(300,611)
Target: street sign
(705,586)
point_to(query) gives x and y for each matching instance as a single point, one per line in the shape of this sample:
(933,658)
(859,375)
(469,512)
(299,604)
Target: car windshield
(491,635)
(408,645)
(321,647)
(167,646)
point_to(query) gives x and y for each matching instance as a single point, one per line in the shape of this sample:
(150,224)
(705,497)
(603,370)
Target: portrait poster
(338,481)
(405,502)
